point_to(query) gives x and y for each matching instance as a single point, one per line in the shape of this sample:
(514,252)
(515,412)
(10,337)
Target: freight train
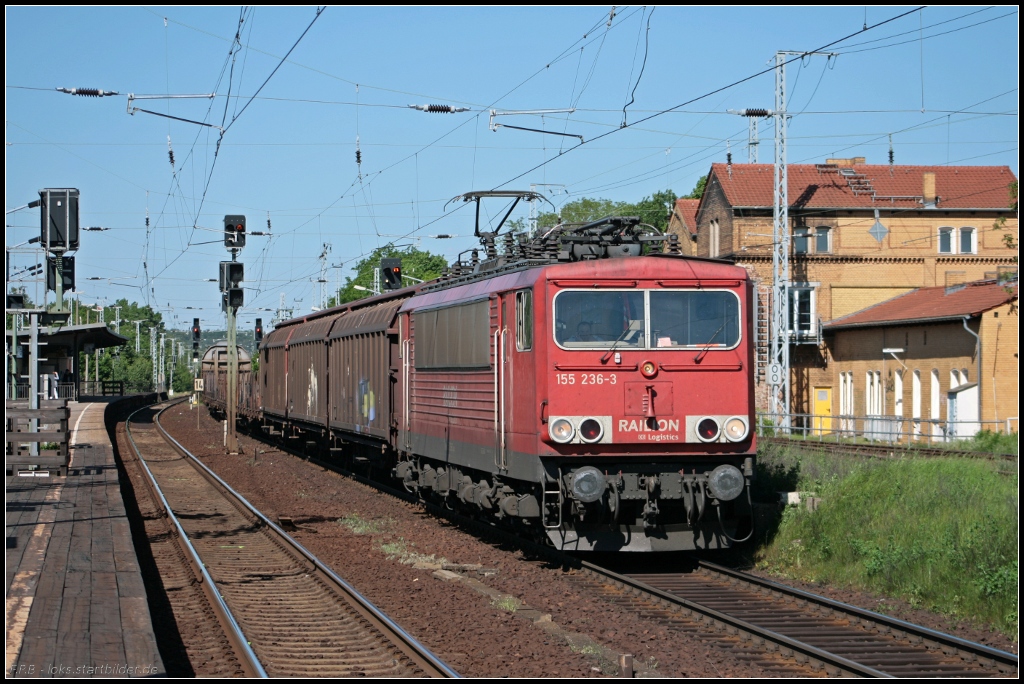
(590,386)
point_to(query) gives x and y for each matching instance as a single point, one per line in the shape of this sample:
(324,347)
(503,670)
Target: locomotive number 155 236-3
(585,379)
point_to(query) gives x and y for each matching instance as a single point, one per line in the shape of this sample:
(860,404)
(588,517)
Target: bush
(939,533)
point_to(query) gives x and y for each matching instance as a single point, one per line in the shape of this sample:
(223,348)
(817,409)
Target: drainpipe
(978,338)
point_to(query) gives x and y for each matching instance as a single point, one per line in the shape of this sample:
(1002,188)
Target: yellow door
(822,410)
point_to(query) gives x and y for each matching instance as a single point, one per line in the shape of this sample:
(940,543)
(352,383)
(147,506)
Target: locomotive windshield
(646,319)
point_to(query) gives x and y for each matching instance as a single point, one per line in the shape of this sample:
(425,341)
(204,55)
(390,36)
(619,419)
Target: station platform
(76,604)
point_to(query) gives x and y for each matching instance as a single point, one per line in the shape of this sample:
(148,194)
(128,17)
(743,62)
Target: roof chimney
(846,162)
(929,189)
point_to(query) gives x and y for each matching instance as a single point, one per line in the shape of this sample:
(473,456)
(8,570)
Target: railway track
(763,620)
(883,450)
(785,631)
(287,614)
(190,630)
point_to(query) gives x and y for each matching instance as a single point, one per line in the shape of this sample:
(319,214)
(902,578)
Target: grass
(360,525)
(939,533)
(509,604)
(400,550)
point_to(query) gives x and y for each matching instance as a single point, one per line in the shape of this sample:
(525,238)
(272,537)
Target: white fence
(887,429)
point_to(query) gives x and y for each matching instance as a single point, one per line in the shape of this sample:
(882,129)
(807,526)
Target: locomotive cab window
(524,320)
(596,320)
(694,318)
(646,319)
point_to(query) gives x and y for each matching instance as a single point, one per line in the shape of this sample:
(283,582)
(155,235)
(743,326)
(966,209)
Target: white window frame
(897,404)
(916,405)
(873,393)
(794,299)
(936,394)
(714,246)
(802,233)
(973,248)
(952,239)
(955,236)
(827,230)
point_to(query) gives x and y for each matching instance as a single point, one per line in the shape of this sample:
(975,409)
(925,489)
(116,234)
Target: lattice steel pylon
(778,356)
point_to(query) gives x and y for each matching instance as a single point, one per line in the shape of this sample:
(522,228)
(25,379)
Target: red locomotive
(572,387)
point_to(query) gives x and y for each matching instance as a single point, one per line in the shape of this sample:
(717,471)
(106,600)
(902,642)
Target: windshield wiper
(633,327)
(699,356)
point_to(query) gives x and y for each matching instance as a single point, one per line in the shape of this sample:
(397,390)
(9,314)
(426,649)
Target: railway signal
(391,272)
(234,231)
(258,333)
(67,268)
(197,333)
(232,273)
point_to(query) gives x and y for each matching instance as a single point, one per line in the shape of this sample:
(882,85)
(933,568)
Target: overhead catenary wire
(709,93)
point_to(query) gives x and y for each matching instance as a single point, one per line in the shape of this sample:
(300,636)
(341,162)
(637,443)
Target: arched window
(897,404)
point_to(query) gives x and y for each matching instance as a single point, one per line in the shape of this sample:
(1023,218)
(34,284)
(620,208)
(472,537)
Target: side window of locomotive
(695,318)
(453,337)
(524,320)
(588,319)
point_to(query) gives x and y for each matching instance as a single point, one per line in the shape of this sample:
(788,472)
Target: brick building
(935,361)
(683,222)
(861,234)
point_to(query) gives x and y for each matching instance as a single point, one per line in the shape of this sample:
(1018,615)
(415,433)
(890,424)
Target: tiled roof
(828,186)
(686,210)
(931,304)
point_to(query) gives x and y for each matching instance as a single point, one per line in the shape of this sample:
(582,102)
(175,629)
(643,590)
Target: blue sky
(943,81)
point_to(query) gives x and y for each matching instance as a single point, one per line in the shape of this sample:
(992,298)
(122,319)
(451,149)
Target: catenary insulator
(755,112)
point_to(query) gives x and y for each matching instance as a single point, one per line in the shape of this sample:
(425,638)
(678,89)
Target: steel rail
(832,663)
(427,657)
(232,630)
(947,642)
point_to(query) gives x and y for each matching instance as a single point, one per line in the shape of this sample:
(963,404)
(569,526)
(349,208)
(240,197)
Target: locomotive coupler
(650,512)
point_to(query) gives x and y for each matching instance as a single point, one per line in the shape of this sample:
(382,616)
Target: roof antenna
(728,157)
(891,156)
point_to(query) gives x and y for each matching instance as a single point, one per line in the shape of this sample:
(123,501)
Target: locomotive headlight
(707,430)
(591,430)
(736,428)
(561,430)
(588,484)
(648,369)
(726,482)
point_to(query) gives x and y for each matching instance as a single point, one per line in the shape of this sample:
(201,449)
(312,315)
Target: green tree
(654,209)
(416,263)
(123,363)
(698,189)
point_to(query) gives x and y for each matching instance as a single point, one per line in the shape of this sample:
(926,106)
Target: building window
(946,240)
(822,240)
(954,378)
(968,245)
(873,393)
(803,324)
(846,420)
(801,240)
(916,406)
(713,240)
(897,404)
(958,240)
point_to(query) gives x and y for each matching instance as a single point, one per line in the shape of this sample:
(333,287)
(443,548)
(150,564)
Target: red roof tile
(686,209)
(820,186)
(931,304)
